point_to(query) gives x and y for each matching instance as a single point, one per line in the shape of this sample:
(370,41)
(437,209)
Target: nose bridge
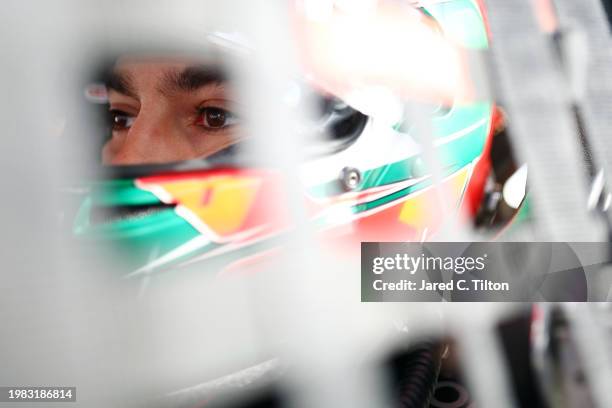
(151,139)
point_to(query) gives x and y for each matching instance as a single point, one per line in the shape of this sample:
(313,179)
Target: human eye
(213,118)
(120,120)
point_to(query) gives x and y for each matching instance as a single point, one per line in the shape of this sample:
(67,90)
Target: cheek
(208,144)
(109,150)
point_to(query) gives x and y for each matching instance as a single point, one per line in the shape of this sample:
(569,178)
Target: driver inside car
(164,110)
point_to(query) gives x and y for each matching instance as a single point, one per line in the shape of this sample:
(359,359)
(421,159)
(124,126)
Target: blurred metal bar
(486,371)
(36,317)
(455,227)
(593,343)
(323,368)
(593,75)
(531,87)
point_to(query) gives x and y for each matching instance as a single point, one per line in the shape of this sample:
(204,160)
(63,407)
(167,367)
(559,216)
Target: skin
(164,111)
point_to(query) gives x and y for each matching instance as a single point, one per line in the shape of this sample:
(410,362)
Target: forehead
(141,70)
(168,75)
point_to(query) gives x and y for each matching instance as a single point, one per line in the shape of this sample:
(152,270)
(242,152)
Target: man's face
(165,111)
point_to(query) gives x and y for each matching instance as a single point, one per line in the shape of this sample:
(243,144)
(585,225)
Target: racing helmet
(366,178)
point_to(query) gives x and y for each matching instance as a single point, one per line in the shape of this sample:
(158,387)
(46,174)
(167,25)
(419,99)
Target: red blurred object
(475,190)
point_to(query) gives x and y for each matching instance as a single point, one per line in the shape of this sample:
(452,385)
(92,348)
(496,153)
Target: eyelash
(204,116)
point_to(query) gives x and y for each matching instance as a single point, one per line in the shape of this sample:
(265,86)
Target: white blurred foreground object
(391,45)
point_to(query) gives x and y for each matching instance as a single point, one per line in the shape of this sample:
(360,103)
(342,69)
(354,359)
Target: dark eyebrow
(122,83)
(192,78)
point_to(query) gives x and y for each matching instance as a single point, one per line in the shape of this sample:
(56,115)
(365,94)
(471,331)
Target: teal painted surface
(461,20)
(135,239)
(121,192)
(469,123)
